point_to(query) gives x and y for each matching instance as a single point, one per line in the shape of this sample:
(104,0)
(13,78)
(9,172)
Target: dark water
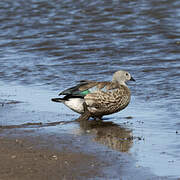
(53,44)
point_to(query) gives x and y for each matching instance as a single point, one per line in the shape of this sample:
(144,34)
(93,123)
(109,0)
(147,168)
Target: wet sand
(25,156)
(31,153)
(44,144)
(21,159)
(48,46)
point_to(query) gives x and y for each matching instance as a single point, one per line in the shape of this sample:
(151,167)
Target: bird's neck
(120,82)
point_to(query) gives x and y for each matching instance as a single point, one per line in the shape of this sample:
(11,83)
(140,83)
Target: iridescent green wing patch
(85,92)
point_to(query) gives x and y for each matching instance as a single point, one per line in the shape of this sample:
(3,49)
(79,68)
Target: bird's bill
(132,79)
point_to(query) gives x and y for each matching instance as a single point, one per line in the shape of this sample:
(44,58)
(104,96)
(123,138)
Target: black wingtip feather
(73,90)
(57,99)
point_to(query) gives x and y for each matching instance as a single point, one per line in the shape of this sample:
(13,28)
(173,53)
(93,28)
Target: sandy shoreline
(21,159)
(27,153)
(44,149)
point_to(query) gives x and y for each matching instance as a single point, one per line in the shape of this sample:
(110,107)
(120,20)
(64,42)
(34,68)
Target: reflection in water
(53,44)
(106,133)
(109,134)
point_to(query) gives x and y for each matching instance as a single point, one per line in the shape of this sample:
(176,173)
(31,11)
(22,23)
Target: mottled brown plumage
(96,99)
(103,103)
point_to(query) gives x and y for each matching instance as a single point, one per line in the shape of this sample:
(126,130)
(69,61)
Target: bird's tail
(57,99)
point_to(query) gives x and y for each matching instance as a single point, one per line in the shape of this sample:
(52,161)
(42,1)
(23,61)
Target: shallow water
(53,44)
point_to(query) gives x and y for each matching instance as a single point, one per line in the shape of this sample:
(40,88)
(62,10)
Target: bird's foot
(98,118)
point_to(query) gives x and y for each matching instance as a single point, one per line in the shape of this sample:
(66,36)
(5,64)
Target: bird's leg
(86,115)
(98,118)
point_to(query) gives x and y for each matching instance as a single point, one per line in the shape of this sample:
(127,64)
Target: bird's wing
(80,89)
(105,99)
(88,87)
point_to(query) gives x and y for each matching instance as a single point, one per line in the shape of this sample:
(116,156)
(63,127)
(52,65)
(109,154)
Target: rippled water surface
(53,44)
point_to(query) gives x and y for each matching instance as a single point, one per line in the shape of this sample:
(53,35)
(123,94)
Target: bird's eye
(127,74)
